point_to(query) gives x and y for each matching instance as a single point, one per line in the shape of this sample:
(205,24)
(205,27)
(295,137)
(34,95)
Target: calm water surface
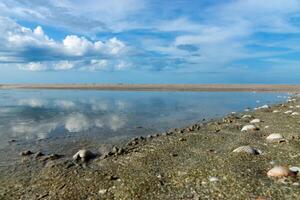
(55,120)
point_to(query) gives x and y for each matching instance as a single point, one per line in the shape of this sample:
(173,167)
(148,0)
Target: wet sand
(195,162)
(163,87)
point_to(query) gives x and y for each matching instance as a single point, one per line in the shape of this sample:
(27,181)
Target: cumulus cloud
(77,123)
(35,51)
(34,103)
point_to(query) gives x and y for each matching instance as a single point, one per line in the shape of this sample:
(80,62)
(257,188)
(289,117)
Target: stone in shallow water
(279,172)
(275,137)
(249,128)
(84,155)
(247,149)
(255,121)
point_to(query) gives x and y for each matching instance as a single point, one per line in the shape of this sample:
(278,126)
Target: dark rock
(39,154)
(26,153)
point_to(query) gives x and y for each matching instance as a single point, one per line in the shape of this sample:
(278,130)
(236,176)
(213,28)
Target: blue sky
(150,41)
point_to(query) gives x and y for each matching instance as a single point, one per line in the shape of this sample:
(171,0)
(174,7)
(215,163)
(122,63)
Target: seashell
(291,107)
(276,111)
(275,137)
(298,106)
(247,149)
(246,116)
(213,179)
(279,172)
(249,128)
(264,107)
(255,121)
(84,155)
(295,170)
(295,113)
(288,112)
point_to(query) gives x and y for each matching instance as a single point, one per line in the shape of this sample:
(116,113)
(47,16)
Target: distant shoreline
(163,87)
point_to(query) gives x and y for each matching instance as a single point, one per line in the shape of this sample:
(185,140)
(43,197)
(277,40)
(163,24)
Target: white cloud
(77,123)
(65,104)
(35,51)
(34,103)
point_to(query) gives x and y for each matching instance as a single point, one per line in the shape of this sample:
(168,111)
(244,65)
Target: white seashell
(291,107)
(276,111)
(255,121)
(246,116)
(84,155)
(274,137)
(247,149)
(264,107)
(298,106)
(295,113)
(249,128)
(288,112)
(279,171)
(295,170)
(267,127)
(213,179)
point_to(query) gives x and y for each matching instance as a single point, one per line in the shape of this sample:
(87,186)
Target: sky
(150,41)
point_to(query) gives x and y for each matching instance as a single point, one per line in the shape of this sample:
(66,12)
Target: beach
(194,162)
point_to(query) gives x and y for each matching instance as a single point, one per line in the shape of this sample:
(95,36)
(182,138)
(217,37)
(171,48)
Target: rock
(182,139)
(39,154)
(247,149)
(280,172)
(275,137)
(298,106)
(53,157)
(255,121)
(288,112)
(84,155)
(276,111)
(295,113)
(26,153)
(249,128)
(115,150)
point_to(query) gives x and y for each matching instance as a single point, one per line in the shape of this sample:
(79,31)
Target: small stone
(182,139)
(39,154)
(102,191)
(26,153)
(174,154)
(276,111)
(115,150)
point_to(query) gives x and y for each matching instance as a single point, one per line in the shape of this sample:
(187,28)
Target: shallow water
(54,120)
